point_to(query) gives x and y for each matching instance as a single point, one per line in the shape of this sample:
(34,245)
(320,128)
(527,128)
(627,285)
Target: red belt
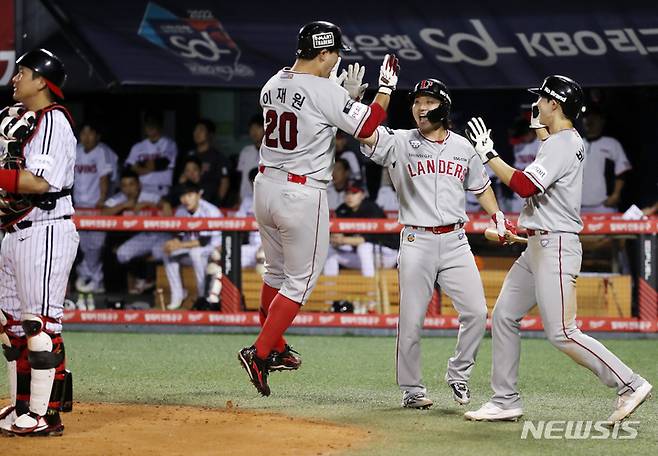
(534,232)
(439,229)
(291,177)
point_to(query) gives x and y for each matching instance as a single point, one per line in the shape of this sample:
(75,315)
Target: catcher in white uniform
(36,176)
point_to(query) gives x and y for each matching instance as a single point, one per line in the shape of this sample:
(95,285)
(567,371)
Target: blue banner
(475,44)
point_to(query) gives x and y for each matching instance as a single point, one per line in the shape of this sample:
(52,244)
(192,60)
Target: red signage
(7,51)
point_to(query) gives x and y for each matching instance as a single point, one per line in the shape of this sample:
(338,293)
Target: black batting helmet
(48,66)
(435,89)
(565,91)
(319,35)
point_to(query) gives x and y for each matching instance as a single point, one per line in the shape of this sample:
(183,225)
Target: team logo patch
(411,237)
(544,242)
(323,40)
(348,106)
(414,143)
(460,236)
(356,110)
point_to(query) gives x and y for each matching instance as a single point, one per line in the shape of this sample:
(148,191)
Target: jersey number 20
(287,123)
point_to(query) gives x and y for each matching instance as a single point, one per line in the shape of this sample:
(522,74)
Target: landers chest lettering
(421,167)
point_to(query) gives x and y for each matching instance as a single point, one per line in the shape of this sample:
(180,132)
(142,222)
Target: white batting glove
(479,136)
(333,75)
(534,118)
(388,74)
(352,84)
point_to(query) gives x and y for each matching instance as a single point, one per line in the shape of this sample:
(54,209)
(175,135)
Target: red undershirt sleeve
(522,185)
(376,116)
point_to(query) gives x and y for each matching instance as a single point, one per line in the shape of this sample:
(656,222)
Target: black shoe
(256,368)
(288,359)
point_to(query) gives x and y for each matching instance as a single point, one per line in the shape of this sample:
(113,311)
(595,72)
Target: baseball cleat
(32,425)
(7,418)
(416,401)
(288,359)
(629,402)
(460,393)
(491,412)
(256,368)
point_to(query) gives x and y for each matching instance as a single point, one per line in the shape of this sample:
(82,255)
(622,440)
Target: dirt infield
(121,429)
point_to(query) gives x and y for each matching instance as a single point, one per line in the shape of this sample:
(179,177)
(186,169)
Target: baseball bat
(492,235)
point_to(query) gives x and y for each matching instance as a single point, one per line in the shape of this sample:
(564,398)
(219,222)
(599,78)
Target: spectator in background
(250,155)
(215,169)
(358,251)
(599,151)
(189,248)
(95,164)
(386,197)
(249,251)
(154,158)
(340,176)
(191,174)
(131,198)
(525,145)
(357,171)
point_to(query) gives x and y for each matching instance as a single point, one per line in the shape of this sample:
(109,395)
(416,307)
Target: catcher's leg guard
(18,370)
(47,361)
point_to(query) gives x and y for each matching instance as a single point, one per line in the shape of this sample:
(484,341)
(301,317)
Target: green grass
(351,380)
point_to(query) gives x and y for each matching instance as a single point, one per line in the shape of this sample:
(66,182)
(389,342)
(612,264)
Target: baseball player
(302,108)
(340,177)
(190,247)
(94,166)
(600,150)
(525,150)
(154,158)
(249,251)
(545,273)
(39,247)
(249,156)
(432,168)
(358,251)
(131,198)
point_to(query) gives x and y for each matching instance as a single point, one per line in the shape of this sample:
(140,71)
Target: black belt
(28,223)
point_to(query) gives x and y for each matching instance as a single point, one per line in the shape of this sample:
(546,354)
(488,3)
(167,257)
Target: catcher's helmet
(47,65)
(318,35)
(435,89)
(565,91)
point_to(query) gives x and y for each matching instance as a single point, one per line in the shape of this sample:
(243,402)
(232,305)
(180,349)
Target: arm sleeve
(552,162)
(340,110)
(476,180)
(382,151)
(171,153)
(522,185)
(132,156)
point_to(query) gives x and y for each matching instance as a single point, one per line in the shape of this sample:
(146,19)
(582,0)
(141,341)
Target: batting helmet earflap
(435,89)
(318,35)
(48,66)
(565,91)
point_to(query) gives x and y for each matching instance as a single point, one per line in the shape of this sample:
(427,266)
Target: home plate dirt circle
(129,429)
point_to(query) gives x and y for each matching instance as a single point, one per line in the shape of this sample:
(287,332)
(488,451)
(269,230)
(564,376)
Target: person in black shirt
(358,251)
(215,168)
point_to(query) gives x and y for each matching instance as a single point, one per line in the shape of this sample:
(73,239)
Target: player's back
(301,114)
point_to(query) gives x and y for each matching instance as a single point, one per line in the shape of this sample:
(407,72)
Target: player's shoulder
(609,141)
(569,138)
(115,199)
(459,140)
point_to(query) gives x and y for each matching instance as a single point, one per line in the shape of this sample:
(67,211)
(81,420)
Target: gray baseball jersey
(558,174)
(89,168)
(247,160)
(302,113)
(156,181)
(545,275)
(430,177)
